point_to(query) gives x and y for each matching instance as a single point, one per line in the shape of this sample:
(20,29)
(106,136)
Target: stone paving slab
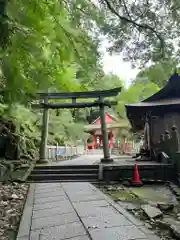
(118,233)
(94,204)
(50,199)
(61,232)
(50,204)
(134,220)
(80,238)
(105,221)
(77,211)
(96,211)
(86,198)
(62,208)
(47,190)
(44,185)
(79,188)
(56,220)
(49,194)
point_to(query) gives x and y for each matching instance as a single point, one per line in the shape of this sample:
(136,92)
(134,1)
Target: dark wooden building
(158,112)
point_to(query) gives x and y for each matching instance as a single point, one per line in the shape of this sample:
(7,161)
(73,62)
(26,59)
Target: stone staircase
(78,173)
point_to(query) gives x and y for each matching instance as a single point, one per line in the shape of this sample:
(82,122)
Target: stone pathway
(77,211)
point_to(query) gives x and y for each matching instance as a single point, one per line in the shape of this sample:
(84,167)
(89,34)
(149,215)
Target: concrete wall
(164,172)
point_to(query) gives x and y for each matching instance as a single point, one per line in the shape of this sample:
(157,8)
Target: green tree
(44,49)
(158,73)
(141,30)
(54,45)
(135,93)
(108,81)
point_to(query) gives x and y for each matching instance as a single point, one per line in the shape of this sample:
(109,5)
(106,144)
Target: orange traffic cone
(136,179)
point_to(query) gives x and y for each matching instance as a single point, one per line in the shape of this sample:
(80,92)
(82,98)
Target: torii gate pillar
(105,140)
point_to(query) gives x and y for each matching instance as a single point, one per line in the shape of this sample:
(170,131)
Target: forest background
(54,46)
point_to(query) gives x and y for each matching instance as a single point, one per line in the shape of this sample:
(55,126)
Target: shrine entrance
(95,141)
(98,140)
(74,96)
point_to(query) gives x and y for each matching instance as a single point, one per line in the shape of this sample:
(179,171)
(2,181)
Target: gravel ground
(12,199)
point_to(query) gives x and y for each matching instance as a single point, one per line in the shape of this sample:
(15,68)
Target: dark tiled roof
(170,91)
(169,94)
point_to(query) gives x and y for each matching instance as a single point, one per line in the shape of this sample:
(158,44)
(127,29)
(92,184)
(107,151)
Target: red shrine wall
(97,141)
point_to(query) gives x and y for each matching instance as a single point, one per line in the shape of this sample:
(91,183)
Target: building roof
(166,98)
(169,94)
(92,127)
(170,91)
(162,102)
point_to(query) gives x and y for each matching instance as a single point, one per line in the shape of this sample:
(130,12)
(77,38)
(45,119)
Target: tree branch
(126,9)
(137,25)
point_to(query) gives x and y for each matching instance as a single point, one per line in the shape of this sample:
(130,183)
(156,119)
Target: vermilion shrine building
(94,128)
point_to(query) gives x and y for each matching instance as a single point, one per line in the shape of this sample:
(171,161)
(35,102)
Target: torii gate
(99,102)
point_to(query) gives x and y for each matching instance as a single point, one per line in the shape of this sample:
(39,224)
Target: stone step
(63,171)
(93,181)
(66,167)
(62,176)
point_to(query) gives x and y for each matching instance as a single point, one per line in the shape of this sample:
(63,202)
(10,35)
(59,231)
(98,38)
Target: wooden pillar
(44,132)
(105,141)
(95,142)
(111,139)
(98,141)
(147,135)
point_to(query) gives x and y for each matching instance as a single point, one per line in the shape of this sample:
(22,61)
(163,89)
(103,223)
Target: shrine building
(94,129)
(157,113)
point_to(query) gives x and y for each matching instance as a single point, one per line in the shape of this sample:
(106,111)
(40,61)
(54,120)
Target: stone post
(105,141)
(175,149)
(161,143)
(167,140)
(174,139)
(44,133)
